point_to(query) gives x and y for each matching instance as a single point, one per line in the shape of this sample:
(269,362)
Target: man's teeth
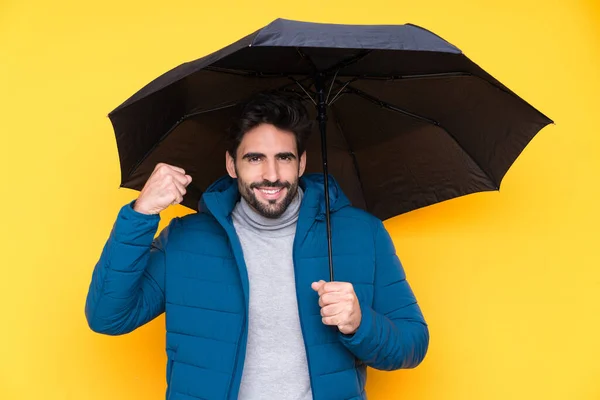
(270,191)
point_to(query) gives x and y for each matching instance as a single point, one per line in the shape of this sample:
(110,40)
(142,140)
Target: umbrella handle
(322,118)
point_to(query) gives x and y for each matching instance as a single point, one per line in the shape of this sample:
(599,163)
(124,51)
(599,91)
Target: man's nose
(271,171)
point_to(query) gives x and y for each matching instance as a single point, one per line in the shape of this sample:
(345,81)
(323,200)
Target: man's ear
(302,165)
(230,165)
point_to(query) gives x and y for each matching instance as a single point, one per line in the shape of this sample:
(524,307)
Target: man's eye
(254,159)
(285,158)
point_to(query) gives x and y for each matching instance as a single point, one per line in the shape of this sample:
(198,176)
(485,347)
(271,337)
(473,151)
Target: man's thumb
(317,285)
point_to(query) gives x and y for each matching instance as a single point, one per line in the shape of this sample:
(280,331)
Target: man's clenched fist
(166,186)
(339,305)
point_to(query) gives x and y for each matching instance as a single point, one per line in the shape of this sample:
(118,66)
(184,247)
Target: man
(248,312)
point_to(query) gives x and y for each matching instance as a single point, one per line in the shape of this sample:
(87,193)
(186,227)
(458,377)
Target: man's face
(267,167)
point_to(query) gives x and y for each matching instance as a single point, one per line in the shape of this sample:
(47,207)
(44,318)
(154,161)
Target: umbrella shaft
(322,118)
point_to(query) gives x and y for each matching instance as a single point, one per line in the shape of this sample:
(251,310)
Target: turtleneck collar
(246,217)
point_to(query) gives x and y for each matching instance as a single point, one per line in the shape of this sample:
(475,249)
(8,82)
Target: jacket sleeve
(393,333)
(128,282)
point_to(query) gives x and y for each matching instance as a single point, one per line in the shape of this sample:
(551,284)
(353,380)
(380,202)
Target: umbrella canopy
(410,120)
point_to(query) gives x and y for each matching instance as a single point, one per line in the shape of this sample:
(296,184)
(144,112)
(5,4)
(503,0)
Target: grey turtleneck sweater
(275,366)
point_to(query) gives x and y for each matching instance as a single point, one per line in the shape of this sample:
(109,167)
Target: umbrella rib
(263,75)
(243,72)
(306,57)
(348,62)
(175,125)
(294,81)
(340,91)
(415,76)
(193,113)
(331,86)
(496,85)
(302,87)
(391,107)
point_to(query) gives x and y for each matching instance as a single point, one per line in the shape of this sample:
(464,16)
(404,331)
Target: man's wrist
(136,207)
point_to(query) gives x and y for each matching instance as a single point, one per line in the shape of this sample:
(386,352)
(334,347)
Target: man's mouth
(270,193)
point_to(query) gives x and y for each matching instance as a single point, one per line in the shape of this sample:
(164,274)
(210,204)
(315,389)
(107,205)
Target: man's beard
(273,209)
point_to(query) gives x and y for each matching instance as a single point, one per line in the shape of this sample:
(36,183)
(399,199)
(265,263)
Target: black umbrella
(408,120)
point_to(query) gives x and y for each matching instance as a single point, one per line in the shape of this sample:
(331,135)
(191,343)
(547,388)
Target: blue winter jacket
(195,272)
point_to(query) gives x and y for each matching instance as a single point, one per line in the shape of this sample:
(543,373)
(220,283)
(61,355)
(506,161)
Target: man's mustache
(266,183)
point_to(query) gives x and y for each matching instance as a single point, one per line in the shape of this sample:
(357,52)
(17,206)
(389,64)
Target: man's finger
(331,298)
(335,320)
(165,168)
(331,310)
(317,285)
(328,287)
(180,187)
(174,168)
(177,195)
(181,178)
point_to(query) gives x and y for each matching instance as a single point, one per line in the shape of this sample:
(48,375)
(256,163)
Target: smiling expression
(267,167)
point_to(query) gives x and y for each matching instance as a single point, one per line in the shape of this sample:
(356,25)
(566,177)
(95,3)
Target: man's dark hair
(284,111)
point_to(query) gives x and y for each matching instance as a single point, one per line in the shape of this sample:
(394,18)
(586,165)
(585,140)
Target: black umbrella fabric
(407,118)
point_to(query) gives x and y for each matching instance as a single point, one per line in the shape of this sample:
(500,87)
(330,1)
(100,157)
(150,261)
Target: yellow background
(508,281)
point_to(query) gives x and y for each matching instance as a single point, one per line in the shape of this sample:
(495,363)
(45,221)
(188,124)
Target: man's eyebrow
(278,155)
(286,154)
(252,155)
